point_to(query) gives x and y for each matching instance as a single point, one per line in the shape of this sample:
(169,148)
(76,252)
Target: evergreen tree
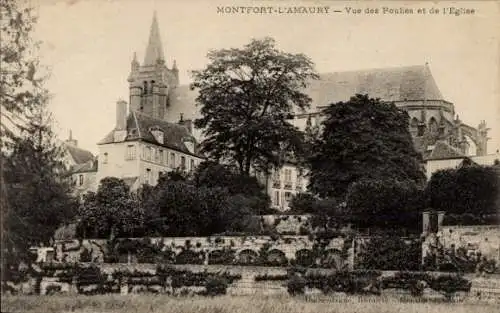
(21,84)
(36,196)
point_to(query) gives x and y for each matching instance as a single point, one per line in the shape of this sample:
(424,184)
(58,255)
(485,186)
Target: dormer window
(189,143)
(158,134)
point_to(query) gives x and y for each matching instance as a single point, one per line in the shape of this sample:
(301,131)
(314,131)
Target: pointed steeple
(154,50)
(134,64)
(70,141)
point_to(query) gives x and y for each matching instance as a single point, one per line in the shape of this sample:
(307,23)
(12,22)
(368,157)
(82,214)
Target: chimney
(186,123)
(71,142)
(121,115)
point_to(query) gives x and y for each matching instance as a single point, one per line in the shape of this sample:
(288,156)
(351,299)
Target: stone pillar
(440,219)
(351,254)
(73,289)
(426,227)
(205,261)
(124,286)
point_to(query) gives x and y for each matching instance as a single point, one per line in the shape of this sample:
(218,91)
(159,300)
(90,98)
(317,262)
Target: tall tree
(37,196)
(247,97)
(362,138)
(21,86)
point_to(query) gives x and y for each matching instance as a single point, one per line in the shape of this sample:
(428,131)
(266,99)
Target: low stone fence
(190,279)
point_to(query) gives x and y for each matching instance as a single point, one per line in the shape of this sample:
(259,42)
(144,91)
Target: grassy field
(226,304)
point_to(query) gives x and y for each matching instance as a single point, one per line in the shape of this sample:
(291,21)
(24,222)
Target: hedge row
(371,282)
(91,280)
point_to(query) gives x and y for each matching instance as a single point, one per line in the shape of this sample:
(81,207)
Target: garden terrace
(246,250)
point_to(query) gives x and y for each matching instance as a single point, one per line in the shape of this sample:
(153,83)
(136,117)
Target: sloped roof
(406,83)
(130,181)
(90,166)
(443,150)
(79,155)
(409,83)
(138,128)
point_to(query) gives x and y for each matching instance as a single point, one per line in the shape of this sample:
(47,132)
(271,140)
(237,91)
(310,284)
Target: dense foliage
(111,212)
(362,138)
(373,282)
(390,253)
(385,203)
(215,199)
(182,209)
(247,96)
(246,189)
(466,190)
(36,196)
(303,203)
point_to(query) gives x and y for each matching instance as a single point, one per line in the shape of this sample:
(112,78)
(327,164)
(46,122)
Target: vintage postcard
(250,155)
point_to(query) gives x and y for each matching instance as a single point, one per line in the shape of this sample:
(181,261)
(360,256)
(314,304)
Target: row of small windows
(160,156)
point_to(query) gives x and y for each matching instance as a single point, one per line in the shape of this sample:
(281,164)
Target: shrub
(85,256)
(215,286)
(390,253)
(303,203)
(448,285)
(267,277)
(414,282)
(353,282)
(53,289)
(296,285)
(385,203)
(469,189)
(89,276)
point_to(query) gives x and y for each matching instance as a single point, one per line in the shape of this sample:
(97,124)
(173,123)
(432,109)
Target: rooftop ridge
(376,69)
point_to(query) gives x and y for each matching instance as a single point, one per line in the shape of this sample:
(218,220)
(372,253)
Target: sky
(88,46)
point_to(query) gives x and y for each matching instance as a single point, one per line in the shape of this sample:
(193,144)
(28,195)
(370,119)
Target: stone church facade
(433,119)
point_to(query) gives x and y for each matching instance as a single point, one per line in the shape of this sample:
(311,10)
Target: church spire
(154,50)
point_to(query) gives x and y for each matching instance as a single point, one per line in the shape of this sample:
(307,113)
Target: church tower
(151,82)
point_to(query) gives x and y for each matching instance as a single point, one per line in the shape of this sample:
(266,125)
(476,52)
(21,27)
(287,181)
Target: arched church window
(414,126)
(433,126)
